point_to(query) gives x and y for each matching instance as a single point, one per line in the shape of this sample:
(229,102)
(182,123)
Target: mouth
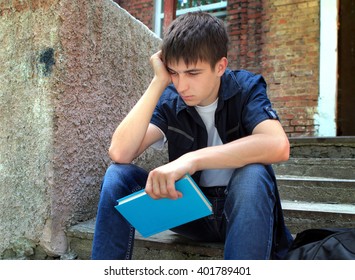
(187,97)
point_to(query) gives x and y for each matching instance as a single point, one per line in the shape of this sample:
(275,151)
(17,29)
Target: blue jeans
(247,215)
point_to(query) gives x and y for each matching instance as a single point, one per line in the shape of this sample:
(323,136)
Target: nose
(181,84)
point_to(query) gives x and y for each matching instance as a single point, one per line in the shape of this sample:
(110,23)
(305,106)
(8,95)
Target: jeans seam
(270,239)
(272,201)
(131,229)
(130,243)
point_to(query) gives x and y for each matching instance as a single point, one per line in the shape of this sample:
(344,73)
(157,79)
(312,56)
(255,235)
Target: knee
(117,171)
(123,179)
(121,169)
(251,181)
(251,171)
(250,190)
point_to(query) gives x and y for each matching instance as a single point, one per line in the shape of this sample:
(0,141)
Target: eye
(171,72)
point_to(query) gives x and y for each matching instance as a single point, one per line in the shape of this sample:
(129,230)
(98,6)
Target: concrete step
(342,168)
(301,215)
(323,147)
(317,189)
(166,245)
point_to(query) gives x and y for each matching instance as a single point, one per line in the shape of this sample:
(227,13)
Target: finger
(172,192)
(163,188)
(179,194)
(156,188)
(159,185)
(149,188)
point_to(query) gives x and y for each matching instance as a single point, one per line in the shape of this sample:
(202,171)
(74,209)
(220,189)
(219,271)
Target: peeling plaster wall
(70,70)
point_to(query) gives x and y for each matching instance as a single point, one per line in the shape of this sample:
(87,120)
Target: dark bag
(323,244)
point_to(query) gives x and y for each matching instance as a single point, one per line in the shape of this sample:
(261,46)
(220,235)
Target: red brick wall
(244,23)
(142,10)
(290,61)
(280,40)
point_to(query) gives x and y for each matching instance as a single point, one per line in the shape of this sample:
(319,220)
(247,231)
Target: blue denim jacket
(242,105)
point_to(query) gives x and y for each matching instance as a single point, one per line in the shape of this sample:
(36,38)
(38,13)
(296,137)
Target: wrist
(161,82)
(191,161)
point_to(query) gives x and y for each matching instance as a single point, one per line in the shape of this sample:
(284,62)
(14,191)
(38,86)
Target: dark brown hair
(195,36)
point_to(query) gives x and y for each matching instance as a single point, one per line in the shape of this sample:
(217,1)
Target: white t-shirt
(212,177)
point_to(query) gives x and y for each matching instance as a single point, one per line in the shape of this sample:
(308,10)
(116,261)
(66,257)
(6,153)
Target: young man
(220,128)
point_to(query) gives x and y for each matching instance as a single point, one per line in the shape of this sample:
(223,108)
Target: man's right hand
(160,71)
(161,180)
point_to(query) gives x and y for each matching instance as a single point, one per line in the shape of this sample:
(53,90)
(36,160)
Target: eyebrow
(185,71)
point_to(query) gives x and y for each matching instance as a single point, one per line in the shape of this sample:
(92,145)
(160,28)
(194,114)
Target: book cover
(150,216)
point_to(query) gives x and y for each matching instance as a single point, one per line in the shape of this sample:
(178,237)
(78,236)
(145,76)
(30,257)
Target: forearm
(258,148)
(130,133)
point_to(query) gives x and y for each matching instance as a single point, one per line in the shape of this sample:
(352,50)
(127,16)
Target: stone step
(304,215)
(171,246)
(168,245)
(342,168)
(316,189)
(165,245)
(323,147)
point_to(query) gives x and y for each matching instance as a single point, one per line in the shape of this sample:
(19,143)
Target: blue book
(150,216)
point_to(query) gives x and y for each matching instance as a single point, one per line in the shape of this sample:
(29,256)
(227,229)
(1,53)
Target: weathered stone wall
(26,124)
(70,70)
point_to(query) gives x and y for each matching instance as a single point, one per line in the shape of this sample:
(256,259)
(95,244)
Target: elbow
(284,152)
(119,156)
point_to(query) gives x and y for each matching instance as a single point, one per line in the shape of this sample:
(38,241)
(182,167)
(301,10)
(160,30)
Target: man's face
(197,84)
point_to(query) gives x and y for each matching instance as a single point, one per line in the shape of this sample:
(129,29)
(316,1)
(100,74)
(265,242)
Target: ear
(221,66)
